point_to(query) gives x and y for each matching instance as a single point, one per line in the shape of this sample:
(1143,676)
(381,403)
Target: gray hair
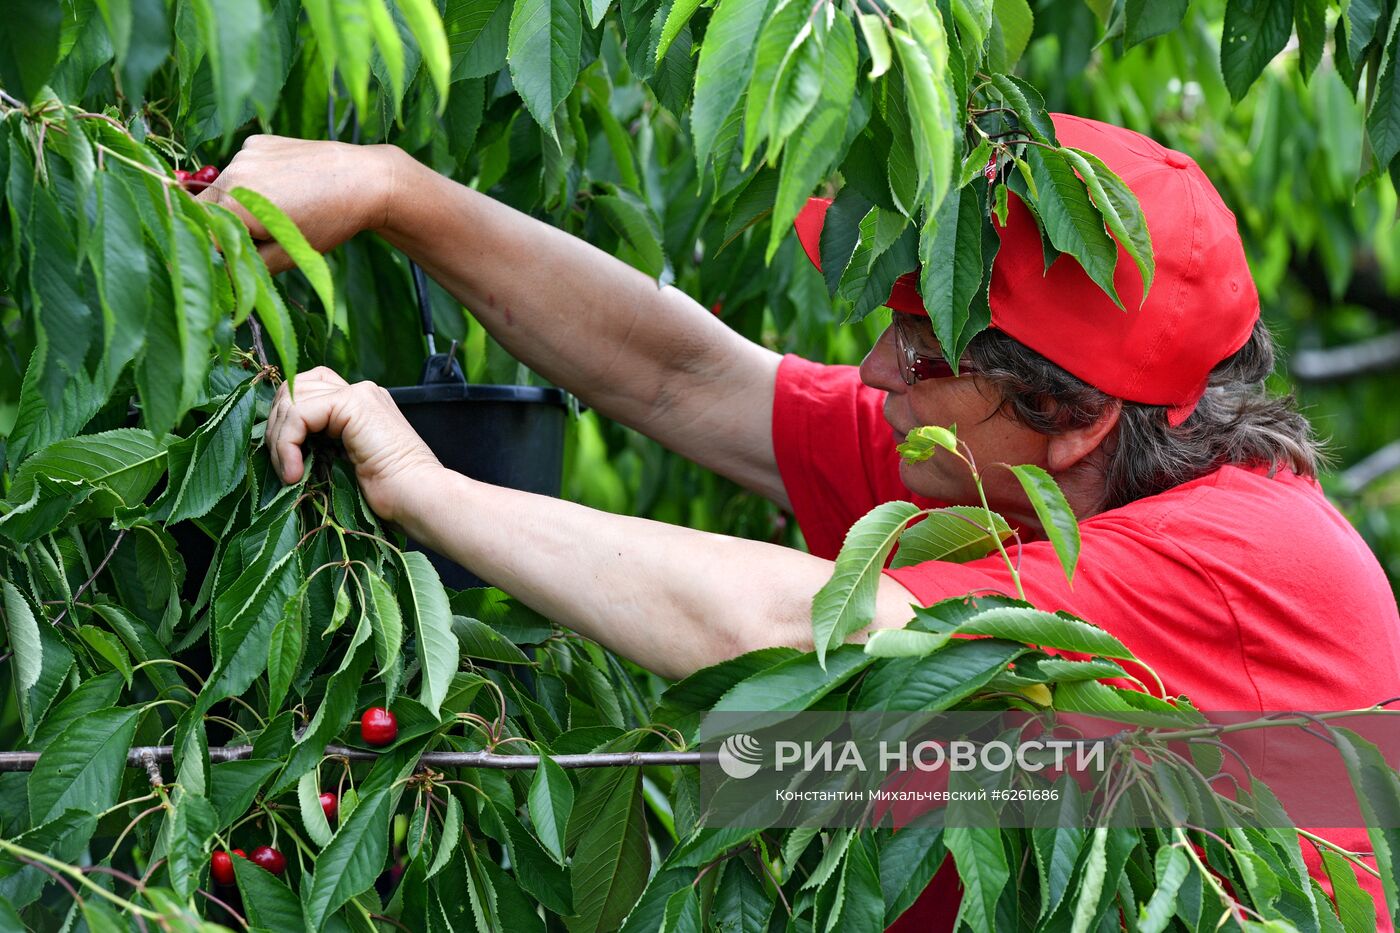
(1236,422)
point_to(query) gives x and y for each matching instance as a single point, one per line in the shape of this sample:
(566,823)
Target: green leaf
(23,632)
(1072,222)
(83,766)
(1172,867)
(1056,517)
(904,643)
(276,320)
(1147,19)
(118,256)
(387,623)
(125,464)
(432,617)
(1377,788)
(1255,31)
(544,48)
(927,90)
(1120,209)
(64,838)
(794,684)
(309,802)
(816,143)
(923,442)
(741,903)
(1359,21)
(1011,33)
(616,860)
(452,822)
(677,16)
(476,36)
(873,271)
(1045,629)
(189,831)
(1310,23)
(1091,882)
(785,69)
(92,694)
(637,225)
(939,680)
(352,861)
(391,52)
(233,35)
(285,232)
(981,861)
(682,914)
(726,63)
(551,799)
(923,54)
(1355,907)
(29,45)
(841,234)
(427,28)
(950,254)
(1383,120)
(478,640)
(234,784)
(872,27)
(1028,106)
(956,534)
(284,650)
(269,902)
(109,648)
(846,603)
(206,466)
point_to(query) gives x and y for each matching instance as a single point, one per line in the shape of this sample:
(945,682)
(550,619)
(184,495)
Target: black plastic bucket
(505,435)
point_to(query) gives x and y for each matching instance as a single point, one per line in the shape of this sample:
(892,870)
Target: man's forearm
(672,599)
(573,313)
(650,358)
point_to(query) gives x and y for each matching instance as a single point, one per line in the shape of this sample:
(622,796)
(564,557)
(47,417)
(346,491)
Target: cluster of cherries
(378,727)
(196,181)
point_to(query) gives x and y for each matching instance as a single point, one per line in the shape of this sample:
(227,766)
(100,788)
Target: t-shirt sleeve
(835,451)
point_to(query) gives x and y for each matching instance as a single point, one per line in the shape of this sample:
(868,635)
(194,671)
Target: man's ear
(1065,450)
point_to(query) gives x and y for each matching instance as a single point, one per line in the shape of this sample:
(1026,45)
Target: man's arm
(651,358)
(672,599)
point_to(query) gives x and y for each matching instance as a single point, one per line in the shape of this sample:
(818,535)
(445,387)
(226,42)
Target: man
(1207,545)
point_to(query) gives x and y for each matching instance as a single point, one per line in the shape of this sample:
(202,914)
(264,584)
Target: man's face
(967,401)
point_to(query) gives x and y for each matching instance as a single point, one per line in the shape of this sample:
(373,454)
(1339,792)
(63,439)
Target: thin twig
(95,574)
(256,329)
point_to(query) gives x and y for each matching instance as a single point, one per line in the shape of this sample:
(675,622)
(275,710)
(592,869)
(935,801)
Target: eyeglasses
(913,365)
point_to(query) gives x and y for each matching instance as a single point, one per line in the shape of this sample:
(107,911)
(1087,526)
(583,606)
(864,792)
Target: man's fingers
(320,392)
(274,256)
(217,193)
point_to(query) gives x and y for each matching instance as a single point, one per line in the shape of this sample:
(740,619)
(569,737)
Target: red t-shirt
(1243,591)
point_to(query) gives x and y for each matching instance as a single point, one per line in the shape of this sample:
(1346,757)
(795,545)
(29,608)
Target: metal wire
(142,755)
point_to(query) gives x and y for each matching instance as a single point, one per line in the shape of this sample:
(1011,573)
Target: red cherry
(240,853)
(378,726)
(221,867)
(270,859)
(330,803)
(206,175)
(183,176)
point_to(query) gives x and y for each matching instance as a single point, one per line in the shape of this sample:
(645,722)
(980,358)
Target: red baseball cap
(1201,308)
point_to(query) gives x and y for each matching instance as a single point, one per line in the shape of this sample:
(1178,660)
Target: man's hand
(330,190)
(390,459)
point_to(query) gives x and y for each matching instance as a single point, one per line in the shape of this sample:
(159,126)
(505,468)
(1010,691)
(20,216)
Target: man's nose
(880,368)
